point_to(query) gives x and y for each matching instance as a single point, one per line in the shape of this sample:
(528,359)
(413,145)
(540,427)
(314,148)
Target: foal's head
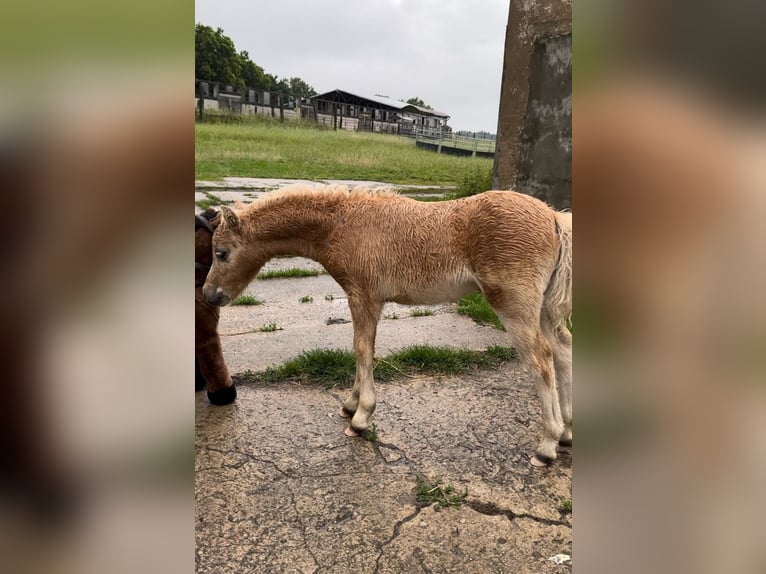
(232,268)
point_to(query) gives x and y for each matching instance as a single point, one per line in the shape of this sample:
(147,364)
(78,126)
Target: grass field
(259,148)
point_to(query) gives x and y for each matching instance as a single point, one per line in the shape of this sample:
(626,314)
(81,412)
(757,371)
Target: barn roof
(344,97)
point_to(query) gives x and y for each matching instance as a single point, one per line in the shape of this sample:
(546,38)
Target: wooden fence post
(281,110)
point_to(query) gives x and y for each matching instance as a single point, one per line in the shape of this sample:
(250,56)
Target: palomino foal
(383,247)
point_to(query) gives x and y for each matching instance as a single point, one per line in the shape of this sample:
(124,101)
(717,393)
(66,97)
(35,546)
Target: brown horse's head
(232,268)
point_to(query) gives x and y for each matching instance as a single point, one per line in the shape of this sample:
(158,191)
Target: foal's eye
(221,255)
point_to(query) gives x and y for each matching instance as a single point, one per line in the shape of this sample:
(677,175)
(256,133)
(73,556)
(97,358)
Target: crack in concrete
(303,531)
(376,448)
(491,509)
(395,534)
(250,457)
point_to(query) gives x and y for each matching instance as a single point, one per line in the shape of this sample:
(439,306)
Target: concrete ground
(281,489)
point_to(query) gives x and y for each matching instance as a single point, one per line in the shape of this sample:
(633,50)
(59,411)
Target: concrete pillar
(534,129)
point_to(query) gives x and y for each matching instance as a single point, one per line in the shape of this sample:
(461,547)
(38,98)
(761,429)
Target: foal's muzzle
(214,295)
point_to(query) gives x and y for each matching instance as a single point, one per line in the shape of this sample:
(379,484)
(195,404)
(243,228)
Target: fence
(450,143)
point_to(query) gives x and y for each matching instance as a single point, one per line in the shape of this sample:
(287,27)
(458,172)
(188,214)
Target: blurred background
(668,187)
(96,159)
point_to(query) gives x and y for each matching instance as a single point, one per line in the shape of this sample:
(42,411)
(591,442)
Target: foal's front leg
(361,401)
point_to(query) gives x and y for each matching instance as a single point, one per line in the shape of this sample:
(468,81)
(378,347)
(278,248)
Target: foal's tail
(558,295)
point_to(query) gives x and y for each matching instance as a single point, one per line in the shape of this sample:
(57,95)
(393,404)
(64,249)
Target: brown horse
(383,247)
(209,365)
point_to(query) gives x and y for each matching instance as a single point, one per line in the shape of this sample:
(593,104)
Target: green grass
(258,148)
(476,180)
(421,312)
(246,300)
(371,434)
(268,328)
(306,299)
(443,495)
(336,367)
(476,307)
(391,316)
(209,201)
(565,506)
(292,272)
(328,297)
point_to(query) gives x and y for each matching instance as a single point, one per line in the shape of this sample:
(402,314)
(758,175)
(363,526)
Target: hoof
(344,414)
(349,431)
(540,460)
(222,396)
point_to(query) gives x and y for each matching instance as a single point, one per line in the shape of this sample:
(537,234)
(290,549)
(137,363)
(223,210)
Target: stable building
(345,110)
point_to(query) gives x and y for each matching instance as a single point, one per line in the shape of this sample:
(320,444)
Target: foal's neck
(295,225)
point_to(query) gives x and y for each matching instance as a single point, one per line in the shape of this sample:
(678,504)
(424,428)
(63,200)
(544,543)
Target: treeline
(216,59)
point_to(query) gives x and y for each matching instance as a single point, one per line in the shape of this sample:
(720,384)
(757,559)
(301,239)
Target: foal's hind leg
(361,401)
(522,321)
(561,343)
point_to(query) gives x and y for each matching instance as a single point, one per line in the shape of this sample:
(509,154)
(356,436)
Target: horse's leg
(364,315)
(562,359)
(209,354)
(521,317)
(561,342)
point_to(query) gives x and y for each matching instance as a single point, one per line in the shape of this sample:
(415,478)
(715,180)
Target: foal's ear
(231,219)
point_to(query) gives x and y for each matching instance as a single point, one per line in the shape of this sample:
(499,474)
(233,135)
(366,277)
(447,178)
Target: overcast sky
(447,52)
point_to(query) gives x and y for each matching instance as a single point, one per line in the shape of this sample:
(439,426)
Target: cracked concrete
(281,489)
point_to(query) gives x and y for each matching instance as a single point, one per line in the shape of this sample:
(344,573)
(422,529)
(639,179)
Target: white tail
(558,295)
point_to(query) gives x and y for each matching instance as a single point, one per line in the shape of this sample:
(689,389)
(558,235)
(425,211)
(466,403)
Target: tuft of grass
(421,312)
(209,201)
(476,180)
(291,272)
(437,492)
(328,367)
(328,297)
(246,300)
(565,506)
(476,307)
(306,299)
(336,367)
(371,434)
(391,316)
(268,328)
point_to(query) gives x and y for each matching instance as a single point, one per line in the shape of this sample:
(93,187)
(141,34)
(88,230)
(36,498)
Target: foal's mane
(300,192)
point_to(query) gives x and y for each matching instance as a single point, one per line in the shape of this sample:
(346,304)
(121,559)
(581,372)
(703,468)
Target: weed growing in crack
(565,506)
(246,300)
(421,312)
(371,434)
(306,299)
(287,273)
(328,297)
(391,316)
(268,328)
(438,493)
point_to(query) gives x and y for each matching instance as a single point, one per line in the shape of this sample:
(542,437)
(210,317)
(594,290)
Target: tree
(215,57)
(418,102)
(301,89)
(253,75)
(217,60)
